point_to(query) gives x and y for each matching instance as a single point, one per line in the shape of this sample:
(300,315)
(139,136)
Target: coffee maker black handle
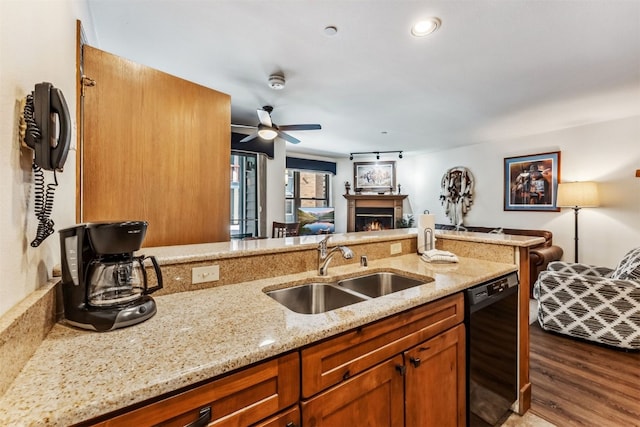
(156,267)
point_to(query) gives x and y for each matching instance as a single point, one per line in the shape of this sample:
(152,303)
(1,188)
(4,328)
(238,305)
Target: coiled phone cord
(43,205)
(29,118)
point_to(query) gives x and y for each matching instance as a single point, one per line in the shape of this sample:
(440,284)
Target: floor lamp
(577,195)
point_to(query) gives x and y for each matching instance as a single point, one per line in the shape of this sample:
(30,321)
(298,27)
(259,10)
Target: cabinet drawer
(241,398)
(339,358)
(288,418)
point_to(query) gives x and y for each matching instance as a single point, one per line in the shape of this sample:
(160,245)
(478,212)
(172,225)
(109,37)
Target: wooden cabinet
(331,361)
(435,381)
(242,398)
(406,368)
(373,398)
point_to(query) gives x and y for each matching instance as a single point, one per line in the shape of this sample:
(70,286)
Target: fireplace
(372,212)
(374,219)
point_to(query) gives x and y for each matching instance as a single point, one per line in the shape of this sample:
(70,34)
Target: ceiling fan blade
(265,118)
(242,126)
(249,137)
(288,138)
(300,127)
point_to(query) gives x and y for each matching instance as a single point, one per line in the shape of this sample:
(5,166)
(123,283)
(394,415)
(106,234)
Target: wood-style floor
(575,383)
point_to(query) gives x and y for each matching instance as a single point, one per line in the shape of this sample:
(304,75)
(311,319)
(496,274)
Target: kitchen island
(75,375)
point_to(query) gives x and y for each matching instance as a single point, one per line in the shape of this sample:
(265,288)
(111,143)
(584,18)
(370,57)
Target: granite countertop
(76,375)
(235,248)
(491,238)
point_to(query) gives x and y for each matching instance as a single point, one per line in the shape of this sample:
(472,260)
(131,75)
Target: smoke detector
(276,82)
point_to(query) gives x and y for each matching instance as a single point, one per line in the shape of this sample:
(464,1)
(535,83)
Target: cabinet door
(373,398)
(435,381)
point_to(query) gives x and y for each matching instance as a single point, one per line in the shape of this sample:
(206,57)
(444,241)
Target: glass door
(245,217)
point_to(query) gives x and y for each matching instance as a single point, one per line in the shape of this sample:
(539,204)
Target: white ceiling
(495,70)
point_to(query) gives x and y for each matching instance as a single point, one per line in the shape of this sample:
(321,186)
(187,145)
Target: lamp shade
(581,194)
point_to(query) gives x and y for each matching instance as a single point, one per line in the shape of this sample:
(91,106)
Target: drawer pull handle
(204,418)
(346,376)
(402,369)
(415,361)
(291,424)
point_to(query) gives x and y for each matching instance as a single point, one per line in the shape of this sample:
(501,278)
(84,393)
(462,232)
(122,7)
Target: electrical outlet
(396,248)
(205,274)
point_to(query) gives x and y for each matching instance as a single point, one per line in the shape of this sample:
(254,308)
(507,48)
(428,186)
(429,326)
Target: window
(305,189)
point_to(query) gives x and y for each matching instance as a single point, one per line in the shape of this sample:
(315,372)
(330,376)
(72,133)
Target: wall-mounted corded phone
(46,130)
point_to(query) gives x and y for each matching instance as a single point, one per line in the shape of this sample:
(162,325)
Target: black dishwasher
(491,318)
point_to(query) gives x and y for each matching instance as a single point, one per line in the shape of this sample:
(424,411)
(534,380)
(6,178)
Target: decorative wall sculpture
(456,194)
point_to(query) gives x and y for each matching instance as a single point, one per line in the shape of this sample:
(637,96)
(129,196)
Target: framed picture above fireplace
(374,177)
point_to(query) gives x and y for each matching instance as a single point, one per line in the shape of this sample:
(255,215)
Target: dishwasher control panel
(481,292)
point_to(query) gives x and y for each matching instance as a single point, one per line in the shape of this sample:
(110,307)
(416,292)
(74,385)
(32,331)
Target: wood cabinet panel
(373,398)
(435,381)
(330,362)
(157,148)
(242,398)
(287,418)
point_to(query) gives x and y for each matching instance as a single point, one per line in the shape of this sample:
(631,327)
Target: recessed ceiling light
(331,30)
(425,27)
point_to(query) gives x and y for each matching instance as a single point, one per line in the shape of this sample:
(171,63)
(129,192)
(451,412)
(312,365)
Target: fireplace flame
(374,225)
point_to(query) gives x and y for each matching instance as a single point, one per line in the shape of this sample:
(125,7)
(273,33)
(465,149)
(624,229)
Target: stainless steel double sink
(316,297)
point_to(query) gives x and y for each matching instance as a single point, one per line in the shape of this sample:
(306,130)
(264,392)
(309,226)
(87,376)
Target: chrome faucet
(324,256)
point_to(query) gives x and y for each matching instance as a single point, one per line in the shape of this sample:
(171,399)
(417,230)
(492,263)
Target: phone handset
(45,107)
(48,134)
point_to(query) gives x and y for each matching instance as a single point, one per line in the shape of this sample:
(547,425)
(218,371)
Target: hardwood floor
(575,383)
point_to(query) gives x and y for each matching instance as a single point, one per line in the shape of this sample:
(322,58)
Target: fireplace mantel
(355,201)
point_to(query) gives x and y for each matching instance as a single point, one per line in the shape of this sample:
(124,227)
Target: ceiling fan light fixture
(267,133)
(425,27)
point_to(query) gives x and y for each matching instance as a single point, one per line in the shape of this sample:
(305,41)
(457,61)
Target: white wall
(607,152)
(37,43)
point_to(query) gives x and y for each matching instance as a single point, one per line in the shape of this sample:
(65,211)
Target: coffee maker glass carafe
(116,282)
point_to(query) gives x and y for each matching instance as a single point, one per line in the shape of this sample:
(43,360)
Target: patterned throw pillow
(629,267)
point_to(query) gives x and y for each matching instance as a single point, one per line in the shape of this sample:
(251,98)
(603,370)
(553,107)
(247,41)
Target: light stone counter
(235,248)
(490,238)
(76,375)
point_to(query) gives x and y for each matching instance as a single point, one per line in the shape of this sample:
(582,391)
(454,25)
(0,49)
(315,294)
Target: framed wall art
(374,177)
(531,182)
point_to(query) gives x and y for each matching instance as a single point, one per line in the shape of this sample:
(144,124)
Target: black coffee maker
(104,286)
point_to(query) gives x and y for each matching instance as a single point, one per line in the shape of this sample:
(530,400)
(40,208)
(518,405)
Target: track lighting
(377,153)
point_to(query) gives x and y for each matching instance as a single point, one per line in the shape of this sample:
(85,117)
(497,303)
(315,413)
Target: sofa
(539,256)
(593,303)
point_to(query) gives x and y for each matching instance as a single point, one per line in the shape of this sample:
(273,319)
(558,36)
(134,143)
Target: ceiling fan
(266,129)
